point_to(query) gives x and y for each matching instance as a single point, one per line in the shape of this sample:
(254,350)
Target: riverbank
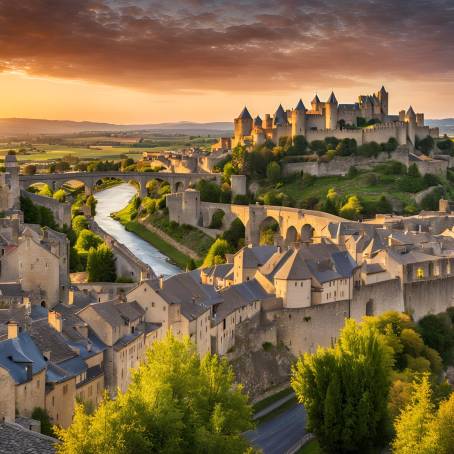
(156,240)
(145,248)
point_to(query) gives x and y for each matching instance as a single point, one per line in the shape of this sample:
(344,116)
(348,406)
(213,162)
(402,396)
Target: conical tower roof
(316,100)
(410,112)
(300,106)
(332,99)
(245,115)
(280,117)
(257,121)
(382,89)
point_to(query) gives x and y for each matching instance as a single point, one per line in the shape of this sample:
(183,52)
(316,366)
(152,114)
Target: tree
(87,240)
(426,145)
(41,415)
(346,147)
(216,253)
(383,205)
(415,426)
(234,235)
(438,333)
(345,388)
(79,223)
(91,204)
(60,195)
(101,264)
(273,171)
(413,171)
(45,190)
(176,403)
(299,145)
(239,160)
(62,166)
(352,209)
(318,147)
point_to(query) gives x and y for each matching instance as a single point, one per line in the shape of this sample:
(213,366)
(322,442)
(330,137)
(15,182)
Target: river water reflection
(114,199)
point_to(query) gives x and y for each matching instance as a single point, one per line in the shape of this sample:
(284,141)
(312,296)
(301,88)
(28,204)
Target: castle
(331,119)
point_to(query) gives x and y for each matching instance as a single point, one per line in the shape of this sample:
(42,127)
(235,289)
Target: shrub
(216,220)
(352,209)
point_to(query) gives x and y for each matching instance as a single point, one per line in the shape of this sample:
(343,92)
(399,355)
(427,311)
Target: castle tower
(410,118)
(268,121)
(243,125)
(316,104)
(401,115)
(331,112)
(12,168)
(280,117)
(383,98)
(257,122)
(299,120)
(420,120)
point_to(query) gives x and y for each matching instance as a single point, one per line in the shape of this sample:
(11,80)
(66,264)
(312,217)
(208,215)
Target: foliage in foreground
(420,428)
(176,403)
(345,389)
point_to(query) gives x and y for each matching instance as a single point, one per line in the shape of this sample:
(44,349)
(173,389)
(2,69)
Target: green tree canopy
(352,209)
(87,240)
(216,253)
(101,264)
(60,195)
(273,172)
(176,403)
(345,389)
(79,223)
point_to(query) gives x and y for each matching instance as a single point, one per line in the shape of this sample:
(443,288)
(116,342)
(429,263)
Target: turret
(12,168)
(331,112)
(243,124)
(257,122)
(420,120)
(299,120)
(316,104)
(280,117)
(410,118)
(383,98)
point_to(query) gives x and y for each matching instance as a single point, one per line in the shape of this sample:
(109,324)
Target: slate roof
(374,268)
(237,296)
(219,271)
(255,256)
(319,262)
(16,353)
(316,100)
(13,289)
(14,439)
(48,339)
(332,99)
(410,257)
(280,116)
(410,112)
(245,115)
(300,106)
(115,314)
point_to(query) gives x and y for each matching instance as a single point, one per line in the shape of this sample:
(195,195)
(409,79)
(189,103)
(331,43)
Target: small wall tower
(299,120)
(331,112)
(383,98)
(410,118)
(243,125)
(12,168)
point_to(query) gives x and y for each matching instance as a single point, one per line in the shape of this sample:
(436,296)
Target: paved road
(274,405)
(280,434)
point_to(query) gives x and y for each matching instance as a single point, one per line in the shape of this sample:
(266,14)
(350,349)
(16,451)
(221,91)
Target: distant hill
(446,125)
(30,126)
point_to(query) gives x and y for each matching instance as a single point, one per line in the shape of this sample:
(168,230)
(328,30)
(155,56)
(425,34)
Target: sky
(137,61)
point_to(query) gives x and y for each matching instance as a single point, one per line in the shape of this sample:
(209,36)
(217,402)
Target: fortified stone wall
(377,298)
(322,134)
(61,211)
(303,330)
(429,296)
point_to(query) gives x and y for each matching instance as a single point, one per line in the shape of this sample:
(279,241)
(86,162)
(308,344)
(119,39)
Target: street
(280,434)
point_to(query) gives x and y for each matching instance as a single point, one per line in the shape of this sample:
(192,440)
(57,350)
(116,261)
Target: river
(114,199)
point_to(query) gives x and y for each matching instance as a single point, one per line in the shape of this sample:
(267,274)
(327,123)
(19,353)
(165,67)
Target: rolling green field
(50,152)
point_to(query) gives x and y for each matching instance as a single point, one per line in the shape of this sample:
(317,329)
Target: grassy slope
(191,237)
(387,185)
(311,448)
(174,255)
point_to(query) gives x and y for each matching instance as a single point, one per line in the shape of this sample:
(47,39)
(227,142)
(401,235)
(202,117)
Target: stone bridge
(177,181)
(294,224)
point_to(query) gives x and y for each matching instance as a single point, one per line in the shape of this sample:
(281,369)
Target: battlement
(386,125)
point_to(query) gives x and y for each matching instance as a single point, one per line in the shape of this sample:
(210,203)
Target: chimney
(13,329)
(161,281)
(54,319)
(71,296)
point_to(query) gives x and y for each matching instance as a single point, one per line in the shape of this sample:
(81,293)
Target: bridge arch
(268,229)
(307,232)
(291,236)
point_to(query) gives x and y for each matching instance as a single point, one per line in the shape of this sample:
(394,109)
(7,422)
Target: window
(152,304)
(65,389)
(420,273)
